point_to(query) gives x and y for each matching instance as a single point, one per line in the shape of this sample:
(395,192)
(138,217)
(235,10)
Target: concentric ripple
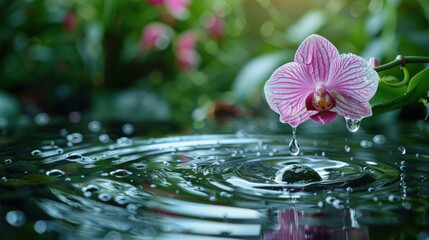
(226,186)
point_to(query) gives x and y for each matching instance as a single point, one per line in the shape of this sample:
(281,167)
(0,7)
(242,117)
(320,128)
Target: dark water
(94,184)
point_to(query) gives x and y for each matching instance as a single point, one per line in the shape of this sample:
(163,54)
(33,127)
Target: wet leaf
(389,98)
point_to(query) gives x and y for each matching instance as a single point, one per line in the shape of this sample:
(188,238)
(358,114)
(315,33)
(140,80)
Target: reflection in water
(294,225)
(213,187)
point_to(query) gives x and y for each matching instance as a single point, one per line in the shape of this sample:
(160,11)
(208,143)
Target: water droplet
(402,149)
(379,139)
(55,173)
(347,148)
(16,218)
(297,173)
(75,138)
(36,152)
(153,185)
(104,138)
(4,179)
(42,119)
(338,204)
(293,145)
(349,189)
(353,124)
(320,204)
(124,141)
(212,198)
(131,207)
(8,161)
(104,197)
(241,134)
(94,126)
(128,129)
(393,198)
(139,165)
(365,144)
(120,173)
(63,132)
(40,226)
(371,189)
(74,157)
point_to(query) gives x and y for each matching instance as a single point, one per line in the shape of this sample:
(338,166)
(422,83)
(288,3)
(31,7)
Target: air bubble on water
(241,134)
(371,189)
(15,218)
(212,198)
(349,189)
(36,152)
(8,161)
(402,149)
(75,138)
(128,129)
(120,173)
(104,197)
(55,173)
(124,141)
(338,204)
(40,226)
(365,144)
(60,151)
(379,139)
(131,207)
(393,198)
(293,145)
(67,179)
(94,126)
(91,188)
(347,148)
(42,119)
(320,204)
(329,199)
(139,165)
(74,157)
(121,199)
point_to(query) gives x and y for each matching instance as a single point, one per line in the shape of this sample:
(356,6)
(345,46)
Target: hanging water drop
(353,124)
(402,149)
(293,145)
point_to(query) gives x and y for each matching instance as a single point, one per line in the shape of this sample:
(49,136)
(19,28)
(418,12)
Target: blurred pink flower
(216,27)
(70,22)
(321,83)
(177,8)
(186,55)
(154,36)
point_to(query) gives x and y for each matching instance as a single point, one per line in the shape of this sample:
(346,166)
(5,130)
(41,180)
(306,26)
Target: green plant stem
(401,61)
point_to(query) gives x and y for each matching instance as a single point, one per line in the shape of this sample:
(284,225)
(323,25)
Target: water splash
(353,124)
(293,145)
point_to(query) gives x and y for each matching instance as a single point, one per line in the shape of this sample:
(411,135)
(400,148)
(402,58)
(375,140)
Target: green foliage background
(98,70)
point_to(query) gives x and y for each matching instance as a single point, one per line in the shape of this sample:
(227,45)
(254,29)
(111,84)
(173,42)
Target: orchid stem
(402,61)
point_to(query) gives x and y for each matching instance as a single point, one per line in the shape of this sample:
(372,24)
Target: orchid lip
(320,100)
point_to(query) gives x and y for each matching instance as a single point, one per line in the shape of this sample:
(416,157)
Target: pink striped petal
(297,118)
(317,54)
(286,91)
(350,108)
(323,117)
(352,76)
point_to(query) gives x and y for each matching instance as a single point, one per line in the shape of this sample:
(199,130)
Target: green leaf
(389,98)
(256,72)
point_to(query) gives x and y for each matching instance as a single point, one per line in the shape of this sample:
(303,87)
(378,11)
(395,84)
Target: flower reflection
(292,227)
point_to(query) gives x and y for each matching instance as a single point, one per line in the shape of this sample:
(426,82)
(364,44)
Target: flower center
(322,100)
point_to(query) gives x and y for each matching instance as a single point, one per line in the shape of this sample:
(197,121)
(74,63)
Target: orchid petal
(297,118)
(323,117)
(286,91)
(352,76)
(317,54)
(350,108)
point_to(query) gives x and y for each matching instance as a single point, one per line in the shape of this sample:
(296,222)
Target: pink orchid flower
(320,84)
(154,36)
(177,8)
(186,55)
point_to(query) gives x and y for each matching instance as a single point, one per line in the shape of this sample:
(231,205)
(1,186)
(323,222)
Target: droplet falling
(293,145)
(353,124)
